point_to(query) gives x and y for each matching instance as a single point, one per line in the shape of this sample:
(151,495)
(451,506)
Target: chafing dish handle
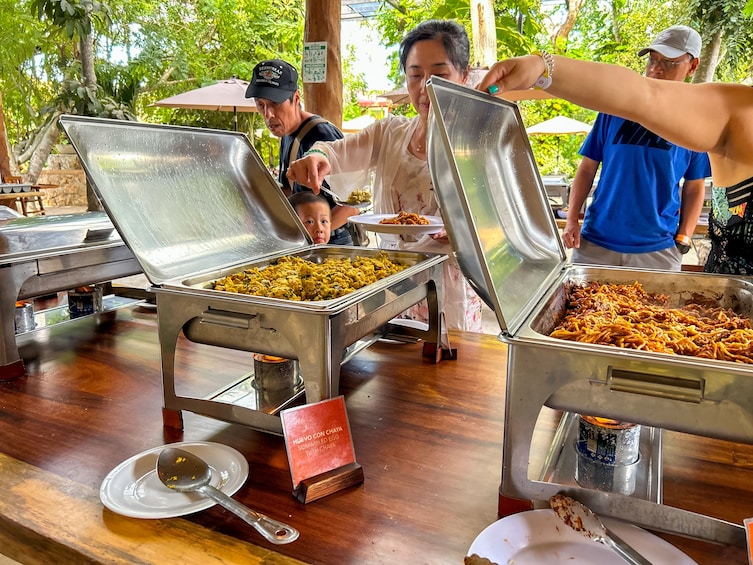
(661,386)
(227,319)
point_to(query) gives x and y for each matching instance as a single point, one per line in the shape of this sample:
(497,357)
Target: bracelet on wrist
(682,238)
(545,80)
(682,242)
(311,151)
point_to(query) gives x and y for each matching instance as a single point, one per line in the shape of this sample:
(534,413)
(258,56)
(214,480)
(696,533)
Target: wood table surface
(429,438)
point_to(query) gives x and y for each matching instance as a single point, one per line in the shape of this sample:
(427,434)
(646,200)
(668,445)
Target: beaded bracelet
(545,80)
(310,151)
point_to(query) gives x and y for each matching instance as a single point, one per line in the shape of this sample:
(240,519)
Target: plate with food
(359,198)
(403,223)
(539,537)
(133,488)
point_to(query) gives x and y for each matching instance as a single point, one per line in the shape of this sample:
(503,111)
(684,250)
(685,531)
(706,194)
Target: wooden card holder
(320,449)
(326,483)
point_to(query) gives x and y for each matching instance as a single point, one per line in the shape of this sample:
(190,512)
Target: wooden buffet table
(429,439)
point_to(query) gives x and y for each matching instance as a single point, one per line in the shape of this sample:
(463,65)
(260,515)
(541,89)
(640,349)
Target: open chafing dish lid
(184,200)
(493,200)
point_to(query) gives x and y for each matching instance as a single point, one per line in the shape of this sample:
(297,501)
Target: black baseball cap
(274,80)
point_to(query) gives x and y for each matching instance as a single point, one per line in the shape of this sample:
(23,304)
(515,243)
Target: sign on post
(315,61)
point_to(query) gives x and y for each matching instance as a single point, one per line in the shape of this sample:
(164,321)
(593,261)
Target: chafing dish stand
(43,255)
(196,205)
(507,243)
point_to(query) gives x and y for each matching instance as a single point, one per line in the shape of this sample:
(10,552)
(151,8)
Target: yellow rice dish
(293,278)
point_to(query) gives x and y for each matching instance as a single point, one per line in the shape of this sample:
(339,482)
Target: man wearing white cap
(639,217)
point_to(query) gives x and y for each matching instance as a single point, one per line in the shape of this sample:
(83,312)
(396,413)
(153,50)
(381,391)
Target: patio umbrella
(223,96)
(559,125)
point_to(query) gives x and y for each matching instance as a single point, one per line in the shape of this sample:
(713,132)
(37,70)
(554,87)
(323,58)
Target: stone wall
(63,171)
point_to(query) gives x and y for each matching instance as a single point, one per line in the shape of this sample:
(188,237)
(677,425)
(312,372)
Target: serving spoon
(581,519)
(183,471)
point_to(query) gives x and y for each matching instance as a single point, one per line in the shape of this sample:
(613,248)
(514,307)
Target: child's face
(315,217)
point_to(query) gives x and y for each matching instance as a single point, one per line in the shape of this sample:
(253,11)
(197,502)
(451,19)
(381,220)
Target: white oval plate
(134,489)
(370,222)
(538,537)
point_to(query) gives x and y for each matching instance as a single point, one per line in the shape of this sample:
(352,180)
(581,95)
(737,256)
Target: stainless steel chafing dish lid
(26,237)
(492,199)
(185,200)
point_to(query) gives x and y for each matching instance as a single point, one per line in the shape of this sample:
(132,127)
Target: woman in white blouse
(394,148)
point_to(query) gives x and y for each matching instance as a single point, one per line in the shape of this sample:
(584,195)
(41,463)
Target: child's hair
(305,197)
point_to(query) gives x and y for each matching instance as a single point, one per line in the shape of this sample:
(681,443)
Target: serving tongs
(581,519)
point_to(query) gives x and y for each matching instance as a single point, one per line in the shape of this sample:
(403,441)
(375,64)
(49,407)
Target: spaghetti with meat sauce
(293,278)
(627,316)
(406,219)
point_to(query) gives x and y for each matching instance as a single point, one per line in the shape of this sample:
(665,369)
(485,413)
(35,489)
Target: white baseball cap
(674,42)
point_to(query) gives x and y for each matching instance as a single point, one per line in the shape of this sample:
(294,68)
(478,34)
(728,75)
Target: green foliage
(72,17)
(729,19)
(555,154)
(147,50)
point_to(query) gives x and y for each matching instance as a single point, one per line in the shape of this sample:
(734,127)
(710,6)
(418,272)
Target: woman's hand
(441,237)
(518,73)
(309,171)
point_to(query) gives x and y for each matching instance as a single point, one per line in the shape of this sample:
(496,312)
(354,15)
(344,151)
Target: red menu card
(317,438)
(749,537)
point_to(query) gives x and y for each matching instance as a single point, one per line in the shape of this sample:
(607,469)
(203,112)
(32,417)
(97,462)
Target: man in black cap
(274,86)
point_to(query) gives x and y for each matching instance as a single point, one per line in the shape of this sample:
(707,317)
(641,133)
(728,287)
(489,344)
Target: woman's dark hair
(305,197)
(454,39)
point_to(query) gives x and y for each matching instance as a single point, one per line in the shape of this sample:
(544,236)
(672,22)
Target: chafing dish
(196,205)
(47,254)
(507,243)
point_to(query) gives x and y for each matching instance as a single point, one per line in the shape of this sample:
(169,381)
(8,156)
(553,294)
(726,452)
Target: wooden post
(323,24)
(484,33)
(4,155)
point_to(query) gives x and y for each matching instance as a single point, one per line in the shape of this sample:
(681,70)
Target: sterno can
(608,441)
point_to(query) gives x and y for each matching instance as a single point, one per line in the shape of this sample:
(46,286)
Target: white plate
(538,537)
(370,222)
(134,489)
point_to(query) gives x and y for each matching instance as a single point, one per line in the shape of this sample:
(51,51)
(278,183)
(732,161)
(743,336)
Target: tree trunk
(86,45)
(616,30)
(4,145)
(323,24)
(47,141)
(559,40)
(709,59)
(484,33)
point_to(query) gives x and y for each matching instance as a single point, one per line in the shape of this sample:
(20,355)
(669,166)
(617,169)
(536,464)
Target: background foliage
(146,50)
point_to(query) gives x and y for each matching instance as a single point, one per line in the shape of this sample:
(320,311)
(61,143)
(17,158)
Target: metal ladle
(581,519)
(183,471)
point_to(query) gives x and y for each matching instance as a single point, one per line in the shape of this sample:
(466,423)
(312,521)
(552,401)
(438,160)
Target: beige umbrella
(223,96)
(559,125)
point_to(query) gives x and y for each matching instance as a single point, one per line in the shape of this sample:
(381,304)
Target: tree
(728,45)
